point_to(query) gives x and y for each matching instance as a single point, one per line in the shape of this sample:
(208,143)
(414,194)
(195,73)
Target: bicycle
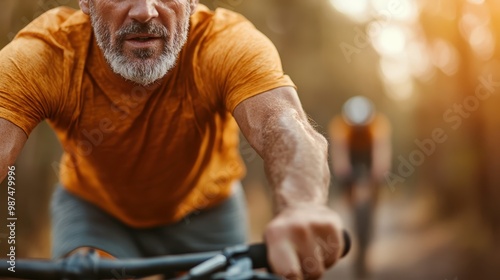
(235,263)
(361,156)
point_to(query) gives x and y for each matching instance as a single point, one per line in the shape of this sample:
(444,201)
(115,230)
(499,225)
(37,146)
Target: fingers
(321,251)
(305,262)
(313,263)
(284,261)
(330,247)
(301,249)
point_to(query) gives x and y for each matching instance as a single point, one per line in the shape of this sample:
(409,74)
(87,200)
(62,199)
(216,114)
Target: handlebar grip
(258,252)
(258,255)
(347,243)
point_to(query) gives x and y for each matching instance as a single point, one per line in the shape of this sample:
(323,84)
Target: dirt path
(404,247)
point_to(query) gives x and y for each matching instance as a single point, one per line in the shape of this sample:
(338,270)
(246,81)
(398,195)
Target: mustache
(138,27)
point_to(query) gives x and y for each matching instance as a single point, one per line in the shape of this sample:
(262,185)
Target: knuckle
(296,229)
(324,226)
(314,274)
(275,231)
(300,230)
(313,268)
(293,274)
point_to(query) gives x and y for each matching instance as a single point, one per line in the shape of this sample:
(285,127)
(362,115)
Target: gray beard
(143,70)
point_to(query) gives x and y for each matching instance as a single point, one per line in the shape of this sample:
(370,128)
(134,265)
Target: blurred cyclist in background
(361,156)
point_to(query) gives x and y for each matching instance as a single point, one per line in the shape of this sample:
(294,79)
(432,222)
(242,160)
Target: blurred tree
(463,173)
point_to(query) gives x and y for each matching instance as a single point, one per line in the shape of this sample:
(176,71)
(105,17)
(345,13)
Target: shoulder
(218,20)
(338,126)
(221,27)
(54,19)
(40,62)
(380,125)
(55,42)
(381,120)
(61,28)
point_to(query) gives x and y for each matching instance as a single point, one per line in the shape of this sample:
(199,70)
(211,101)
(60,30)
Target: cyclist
(361,156)
(146,97)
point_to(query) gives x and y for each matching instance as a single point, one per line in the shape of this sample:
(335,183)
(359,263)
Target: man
(145,97)
(362,152)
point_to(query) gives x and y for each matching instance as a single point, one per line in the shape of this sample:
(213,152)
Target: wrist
(293,199)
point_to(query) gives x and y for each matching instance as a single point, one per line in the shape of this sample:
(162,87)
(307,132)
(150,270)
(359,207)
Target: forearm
(295,160)
(11,143)
(7,159)
(385,156)
(3,170)
(382,155)
(5,162)
(340,157)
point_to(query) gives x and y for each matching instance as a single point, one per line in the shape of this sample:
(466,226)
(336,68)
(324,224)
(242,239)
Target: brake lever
(237,262)
(234,263)
(241,268)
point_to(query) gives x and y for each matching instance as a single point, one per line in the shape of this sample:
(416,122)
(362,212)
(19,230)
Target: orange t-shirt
(359,140)
(147,158)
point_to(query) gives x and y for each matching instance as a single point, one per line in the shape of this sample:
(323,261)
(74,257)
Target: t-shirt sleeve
(30,82)
(242,62)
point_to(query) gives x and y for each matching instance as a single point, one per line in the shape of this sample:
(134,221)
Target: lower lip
(144,44)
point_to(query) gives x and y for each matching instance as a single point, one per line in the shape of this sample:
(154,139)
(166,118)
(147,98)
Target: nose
(143,10)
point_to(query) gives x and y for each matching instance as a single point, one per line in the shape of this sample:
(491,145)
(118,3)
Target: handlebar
(199,265)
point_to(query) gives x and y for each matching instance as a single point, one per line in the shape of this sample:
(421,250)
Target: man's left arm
(305,236)
(382,149)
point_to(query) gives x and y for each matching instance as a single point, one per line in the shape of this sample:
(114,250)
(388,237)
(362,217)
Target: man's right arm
(12,140)
(339,147)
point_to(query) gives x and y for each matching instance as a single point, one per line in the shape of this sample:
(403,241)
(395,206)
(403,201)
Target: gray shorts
(78,223)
